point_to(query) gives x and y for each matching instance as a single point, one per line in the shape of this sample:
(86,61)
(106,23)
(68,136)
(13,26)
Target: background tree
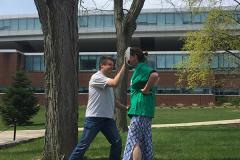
(203,44)
(59,25)
(125,24)
(18,104)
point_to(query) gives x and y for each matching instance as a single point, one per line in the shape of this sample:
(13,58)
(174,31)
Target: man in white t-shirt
(100,111)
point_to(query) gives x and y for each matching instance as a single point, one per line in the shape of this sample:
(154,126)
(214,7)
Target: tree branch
(132,15)
(233,54)
(237,2)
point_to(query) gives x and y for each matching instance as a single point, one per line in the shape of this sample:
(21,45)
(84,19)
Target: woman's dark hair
(140,54)
(104,59)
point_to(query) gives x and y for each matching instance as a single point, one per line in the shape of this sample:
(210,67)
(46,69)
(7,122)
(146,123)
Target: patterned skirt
(139,132)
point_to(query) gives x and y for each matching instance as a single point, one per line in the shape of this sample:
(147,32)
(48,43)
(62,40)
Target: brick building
(159,31)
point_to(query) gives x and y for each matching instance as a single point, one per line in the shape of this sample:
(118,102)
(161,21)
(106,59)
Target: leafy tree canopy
(219,33)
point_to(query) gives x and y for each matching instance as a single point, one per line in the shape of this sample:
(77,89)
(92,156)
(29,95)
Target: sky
(13,7)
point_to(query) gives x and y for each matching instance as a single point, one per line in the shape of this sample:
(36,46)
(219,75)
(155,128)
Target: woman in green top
(141,111)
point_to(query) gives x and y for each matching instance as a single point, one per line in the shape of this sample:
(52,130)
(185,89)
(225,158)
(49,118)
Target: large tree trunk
(59,25)
(125,27)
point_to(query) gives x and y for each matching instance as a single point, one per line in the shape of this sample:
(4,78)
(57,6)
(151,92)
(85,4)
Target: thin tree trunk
(14,131)
(125,27)
(59,24)
(121,89)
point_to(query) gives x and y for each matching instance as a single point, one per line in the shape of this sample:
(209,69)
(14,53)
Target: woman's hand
(144,91)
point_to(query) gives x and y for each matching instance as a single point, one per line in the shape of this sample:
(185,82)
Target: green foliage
(203,44)
(18,104)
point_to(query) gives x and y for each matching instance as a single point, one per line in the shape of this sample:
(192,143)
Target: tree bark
(125,27)
(59,26)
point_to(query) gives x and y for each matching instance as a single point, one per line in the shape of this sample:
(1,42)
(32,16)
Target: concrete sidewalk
(6,137)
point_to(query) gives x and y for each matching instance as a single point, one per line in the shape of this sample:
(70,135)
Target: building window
(196,18)
(215,62)
(226,91)
(22,24)
(160,19)
(142,19)
(152,19)
(161,62)
(30,23)
(204,16)
(169,61)
(177,60)
(108,21)
(14,24)
(83,21)
(83,90)
(37,24)
(170,18)
(5,24)
(87,62)
(187,18)
(99,21)
(91,21)
(34,63)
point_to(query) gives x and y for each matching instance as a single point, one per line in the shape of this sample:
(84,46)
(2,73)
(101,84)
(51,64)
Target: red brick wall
(162,99)
(37,78)
(10,62)
(187,99)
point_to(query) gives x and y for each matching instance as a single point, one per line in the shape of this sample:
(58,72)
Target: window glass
(169,18)
(226,60)
(177,60)
(220,61)
(14,24)
(28,63)
(88,62)
(160,19)
(42,63)
(204,16)
(187,18)
(196,18)
(37,63)
(34,63)
(91,21)
(1,24)
(142,19)
(233,61)
(99,21)
(37,24)
(215,61)
(83,21)
(6,24)
(108,21)
(152,18)
(161,62)
(169,61)
(22,24)
(178,18)
(30,23)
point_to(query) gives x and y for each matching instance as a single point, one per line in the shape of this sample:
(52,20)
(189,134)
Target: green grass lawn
(162,116)
(218,142)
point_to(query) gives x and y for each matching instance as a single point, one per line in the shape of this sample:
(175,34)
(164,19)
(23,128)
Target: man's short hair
(104,59)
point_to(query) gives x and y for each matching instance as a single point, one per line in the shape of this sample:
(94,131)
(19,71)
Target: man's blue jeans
(92,126)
